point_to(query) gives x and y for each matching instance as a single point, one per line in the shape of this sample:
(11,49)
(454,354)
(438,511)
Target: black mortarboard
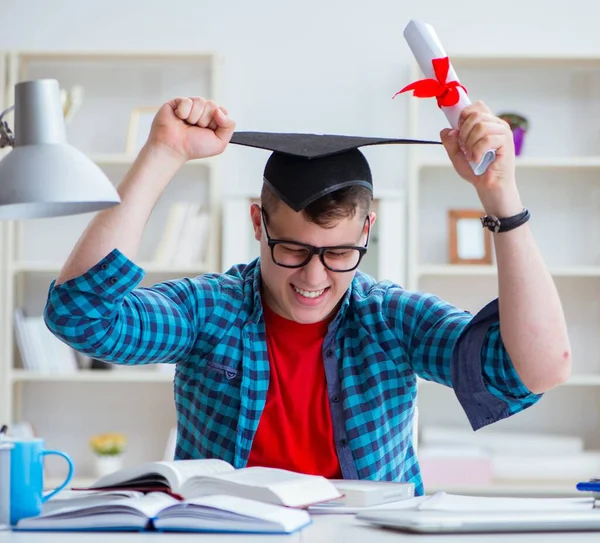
(305,167)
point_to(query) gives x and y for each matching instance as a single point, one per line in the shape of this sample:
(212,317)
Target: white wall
(311,66)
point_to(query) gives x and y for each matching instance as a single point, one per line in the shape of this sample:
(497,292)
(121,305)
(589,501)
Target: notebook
(484,521)
(158,511)
(442,512)
(196,478)
(442,501)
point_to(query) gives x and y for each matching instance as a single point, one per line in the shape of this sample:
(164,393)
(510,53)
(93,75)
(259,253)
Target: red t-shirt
(295,431)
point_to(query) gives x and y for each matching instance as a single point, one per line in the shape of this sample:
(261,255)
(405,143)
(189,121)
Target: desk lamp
(44,176)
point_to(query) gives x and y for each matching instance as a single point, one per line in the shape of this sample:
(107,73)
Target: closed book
(365,493)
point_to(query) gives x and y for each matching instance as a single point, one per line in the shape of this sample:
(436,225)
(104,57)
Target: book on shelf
(186,235)
(157,511)
(40,349)
(449,455)
(196,478)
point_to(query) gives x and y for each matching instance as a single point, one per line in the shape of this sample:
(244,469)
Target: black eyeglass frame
(312,250)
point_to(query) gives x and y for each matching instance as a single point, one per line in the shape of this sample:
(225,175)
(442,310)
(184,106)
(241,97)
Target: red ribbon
(446,92)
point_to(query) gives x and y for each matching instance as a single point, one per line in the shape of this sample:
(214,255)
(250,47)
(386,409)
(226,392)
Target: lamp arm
(6,136)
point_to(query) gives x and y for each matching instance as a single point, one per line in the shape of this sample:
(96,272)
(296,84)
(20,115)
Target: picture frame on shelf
(469,242)
(140,122)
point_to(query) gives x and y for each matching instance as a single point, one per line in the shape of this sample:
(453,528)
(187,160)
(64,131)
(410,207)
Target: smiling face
(311,293)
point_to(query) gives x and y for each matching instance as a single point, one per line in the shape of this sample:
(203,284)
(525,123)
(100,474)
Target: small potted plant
(519,126)
(108,451)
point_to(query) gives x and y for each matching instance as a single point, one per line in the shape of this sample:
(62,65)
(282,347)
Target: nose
(314,273)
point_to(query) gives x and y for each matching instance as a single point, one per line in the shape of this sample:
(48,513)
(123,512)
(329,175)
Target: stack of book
(188,495)
(209,496)
(450,455)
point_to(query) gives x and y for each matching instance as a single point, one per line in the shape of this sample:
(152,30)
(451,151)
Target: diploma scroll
(426,47)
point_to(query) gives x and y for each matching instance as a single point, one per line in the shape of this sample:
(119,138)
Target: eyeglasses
(293,254)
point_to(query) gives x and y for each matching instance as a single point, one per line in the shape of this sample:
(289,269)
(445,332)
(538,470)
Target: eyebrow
(350,244)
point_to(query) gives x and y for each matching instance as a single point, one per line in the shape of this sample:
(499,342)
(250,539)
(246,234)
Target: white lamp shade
(44,176)
(51,180)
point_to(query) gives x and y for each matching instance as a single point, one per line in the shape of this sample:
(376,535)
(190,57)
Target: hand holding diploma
(441,83)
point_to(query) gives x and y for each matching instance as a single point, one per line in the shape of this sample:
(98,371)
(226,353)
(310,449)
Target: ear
(372,217)
(256,218)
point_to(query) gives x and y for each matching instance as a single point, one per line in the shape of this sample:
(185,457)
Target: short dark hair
(328,210)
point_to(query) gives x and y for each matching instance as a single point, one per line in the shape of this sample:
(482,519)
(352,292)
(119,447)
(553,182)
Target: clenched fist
(190,128)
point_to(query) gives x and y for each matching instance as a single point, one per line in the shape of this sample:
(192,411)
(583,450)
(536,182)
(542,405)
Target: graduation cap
(305,167)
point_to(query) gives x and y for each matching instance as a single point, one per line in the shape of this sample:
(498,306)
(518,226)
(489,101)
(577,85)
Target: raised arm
(532,324)
(183,129)
(94,304)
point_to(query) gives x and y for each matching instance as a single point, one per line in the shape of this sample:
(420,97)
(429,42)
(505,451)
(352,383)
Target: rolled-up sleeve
(464,351)
(105,315)
(483,376)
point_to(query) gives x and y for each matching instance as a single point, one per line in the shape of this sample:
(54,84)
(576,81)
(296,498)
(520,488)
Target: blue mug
(27,477)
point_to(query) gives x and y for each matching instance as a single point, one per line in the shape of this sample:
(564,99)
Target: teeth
(309,293)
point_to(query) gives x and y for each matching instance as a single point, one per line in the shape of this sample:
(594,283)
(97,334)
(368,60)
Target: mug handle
(69,460)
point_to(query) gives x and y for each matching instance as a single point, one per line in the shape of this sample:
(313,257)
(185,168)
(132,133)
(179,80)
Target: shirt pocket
(215,369)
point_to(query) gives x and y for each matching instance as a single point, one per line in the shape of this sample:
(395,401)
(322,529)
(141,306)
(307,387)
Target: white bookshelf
(67,408)
(558,175)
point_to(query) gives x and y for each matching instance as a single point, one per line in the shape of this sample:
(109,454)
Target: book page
(265,484)
(149,505)
(175,472)
(253,509)
(264,477)
(188,469)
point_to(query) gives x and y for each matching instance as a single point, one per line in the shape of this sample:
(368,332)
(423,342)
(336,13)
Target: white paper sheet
(425,46)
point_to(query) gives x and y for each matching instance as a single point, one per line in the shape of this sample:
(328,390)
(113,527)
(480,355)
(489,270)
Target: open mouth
(310,294)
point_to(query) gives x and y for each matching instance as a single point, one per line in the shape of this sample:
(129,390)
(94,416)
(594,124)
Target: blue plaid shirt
(212,327)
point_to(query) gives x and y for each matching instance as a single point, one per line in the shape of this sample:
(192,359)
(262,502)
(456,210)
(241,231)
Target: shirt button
(329,352)
(104,267)
(344,442)
(112,280)
(335,399)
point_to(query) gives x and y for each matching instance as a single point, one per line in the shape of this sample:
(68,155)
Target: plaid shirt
(212,326)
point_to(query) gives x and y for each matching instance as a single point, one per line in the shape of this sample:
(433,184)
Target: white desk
(325,529)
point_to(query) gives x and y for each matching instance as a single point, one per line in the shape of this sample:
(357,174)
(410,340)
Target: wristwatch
(496,225)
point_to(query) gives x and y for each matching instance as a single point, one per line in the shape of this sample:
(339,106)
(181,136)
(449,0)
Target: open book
(157,511)
(195,478)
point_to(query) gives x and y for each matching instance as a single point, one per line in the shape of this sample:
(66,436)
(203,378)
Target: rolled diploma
(426,46)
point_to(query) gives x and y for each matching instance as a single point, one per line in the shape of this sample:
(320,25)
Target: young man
(297,360)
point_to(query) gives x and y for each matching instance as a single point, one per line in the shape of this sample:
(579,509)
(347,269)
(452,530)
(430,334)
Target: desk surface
(325,529)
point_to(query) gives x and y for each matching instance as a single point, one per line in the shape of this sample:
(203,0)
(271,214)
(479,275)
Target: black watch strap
(496,225)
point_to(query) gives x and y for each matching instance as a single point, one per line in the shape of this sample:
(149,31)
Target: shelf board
(528,162)
(93,376)
(581,380)
(149,267)
(457,270)
(109,159)
(524,61)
